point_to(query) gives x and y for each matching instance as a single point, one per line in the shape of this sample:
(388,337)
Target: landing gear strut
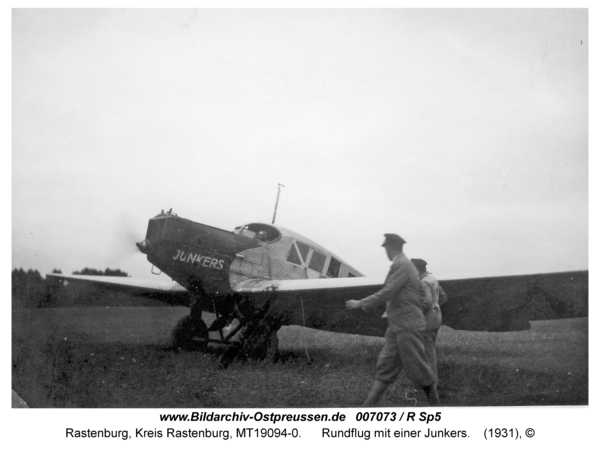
(258,341)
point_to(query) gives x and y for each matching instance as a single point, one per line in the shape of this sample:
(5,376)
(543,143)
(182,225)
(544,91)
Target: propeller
(125,236)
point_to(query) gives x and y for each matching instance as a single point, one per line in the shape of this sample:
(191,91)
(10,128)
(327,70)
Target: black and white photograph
(300,208)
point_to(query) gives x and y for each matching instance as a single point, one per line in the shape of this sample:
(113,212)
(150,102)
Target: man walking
(403,295)
(433,317)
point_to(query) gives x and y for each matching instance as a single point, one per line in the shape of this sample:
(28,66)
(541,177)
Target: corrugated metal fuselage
(265,263)
(211,262)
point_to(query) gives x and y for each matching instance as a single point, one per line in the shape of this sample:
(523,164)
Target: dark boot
(432,395)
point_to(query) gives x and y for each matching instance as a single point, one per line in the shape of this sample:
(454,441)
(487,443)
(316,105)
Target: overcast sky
(464,131)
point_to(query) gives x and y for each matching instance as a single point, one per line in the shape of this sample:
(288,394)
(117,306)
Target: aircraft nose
(145,246)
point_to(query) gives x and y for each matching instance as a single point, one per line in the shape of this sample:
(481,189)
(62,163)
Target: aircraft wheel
(189,334)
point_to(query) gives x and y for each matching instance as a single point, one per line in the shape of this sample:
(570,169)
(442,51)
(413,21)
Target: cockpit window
(317,261)
(243,230)
(333,270)
(263,232)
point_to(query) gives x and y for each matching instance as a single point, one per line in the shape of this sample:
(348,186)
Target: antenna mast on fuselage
(279,186)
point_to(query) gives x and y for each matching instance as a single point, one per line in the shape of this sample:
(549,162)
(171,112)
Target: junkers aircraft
(260,276)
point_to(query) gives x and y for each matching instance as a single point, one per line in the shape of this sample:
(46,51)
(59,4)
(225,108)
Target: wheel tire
(189,334)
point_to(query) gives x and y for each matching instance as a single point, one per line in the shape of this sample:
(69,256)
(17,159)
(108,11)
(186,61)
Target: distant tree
(28,288)
(34,275)
(89,272)
(117,272)
(108,272)
(57,271)
(18,280)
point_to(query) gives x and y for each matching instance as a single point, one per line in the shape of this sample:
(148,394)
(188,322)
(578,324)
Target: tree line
(30,289)
(94,272)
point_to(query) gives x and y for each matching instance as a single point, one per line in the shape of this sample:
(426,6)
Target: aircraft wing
(478,303)
(320,304)
(329,284)
(496,304)
(139,285)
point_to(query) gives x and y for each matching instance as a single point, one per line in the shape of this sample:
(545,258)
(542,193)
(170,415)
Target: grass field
(118,357)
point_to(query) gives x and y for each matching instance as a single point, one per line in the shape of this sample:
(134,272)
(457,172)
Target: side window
(317,261)
(293,256)
(303,249)
(333,270)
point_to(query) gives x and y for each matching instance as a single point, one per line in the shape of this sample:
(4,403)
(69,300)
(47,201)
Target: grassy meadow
(119,357)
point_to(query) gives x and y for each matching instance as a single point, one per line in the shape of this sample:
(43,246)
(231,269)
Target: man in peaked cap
(404,296)
(433,317)
(392,240)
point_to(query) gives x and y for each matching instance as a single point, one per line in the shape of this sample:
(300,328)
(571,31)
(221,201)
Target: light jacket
(437,296)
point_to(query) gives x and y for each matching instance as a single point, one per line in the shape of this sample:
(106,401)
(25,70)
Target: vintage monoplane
(260,276)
